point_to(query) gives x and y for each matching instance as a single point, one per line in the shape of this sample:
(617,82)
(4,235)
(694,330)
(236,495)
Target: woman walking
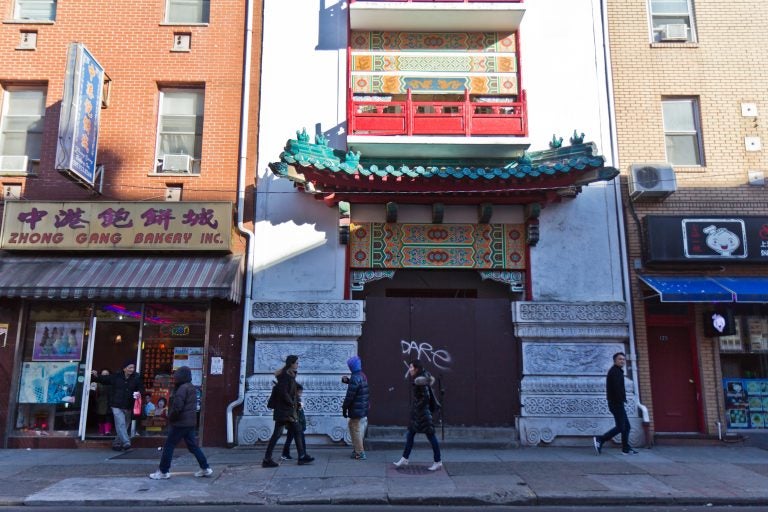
(286,412)
(423,403)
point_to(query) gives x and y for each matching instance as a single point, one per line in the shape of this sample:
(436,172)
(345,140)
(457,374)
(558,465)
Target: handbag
(137,406)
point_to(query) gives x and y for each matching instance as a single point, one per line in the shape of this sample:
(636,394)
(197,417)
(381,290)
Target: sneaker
(203,472)
(126,447)
(402,462)
(159,475)
(269,463)
(435,466)
(286,457)
(598,445)
(358,456)
(306,459)
(631,451)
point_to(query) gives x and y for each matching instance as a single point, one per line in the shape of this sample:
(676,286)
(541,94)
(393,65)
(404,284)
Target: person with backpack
(182,416)
(423,404)
(285,404)
(355,406)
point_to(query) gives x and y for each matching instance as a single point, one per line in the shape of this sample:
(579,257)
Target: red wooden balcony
(411,117)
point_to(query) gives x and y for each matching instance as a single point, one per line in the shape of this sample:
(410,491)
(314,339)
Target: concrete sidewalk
(718,474)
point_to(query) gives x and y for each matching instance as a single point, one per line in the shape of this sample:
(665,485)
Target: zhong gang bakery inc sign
(138,226)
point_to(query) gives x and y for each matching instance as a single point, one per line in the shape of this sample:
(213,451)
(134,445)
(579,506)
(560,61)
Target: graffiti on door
(439,358)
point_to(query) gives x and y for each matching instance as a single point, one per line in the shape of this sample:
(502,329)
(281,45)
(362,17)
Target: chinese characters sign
(738,239)
(80,111)
(142,226)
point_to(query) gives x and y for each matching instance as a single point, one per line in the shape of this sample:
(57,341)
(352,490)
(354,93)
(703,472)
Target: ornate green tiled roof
(328,169)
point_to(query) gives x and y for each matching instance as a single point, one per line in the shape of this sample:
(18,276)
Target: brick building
(689,101)
(123,168)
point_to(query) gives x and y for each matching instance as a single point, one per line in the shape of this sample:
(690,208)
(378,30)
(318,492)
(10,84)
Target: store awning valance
(708,289)
(121,278)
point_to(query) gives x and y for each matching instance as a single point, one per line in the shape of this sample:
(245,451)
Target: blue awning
(746,288)
(688,289)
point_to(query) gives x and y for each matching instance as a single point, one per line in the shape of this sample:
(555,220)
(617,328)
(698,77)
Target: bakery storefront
(711,270)
(90,285)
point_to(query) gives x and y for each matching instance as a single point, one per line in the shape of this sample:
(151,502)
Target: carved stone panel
(568,358)
(555,312)
(314,356)
(319,311)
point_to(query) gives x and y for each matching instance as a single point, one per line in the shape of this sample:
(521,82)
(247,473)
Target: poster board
(58,341)
(746,403)
(48,382)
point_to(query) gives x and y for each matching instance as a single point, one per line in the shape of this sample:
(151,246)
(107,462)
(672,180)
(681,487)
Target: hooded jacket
(183,409)
(421,416)
(287,408)
(356,401)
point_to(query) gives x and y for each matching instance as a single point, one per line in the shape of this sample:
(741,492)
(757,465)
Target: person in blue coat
(355,406)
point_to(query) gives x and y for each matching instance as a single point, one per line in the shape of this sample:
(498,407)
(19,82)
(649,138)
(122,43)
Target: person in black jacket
(423,402)
(616,395)
(125,387)
(182,416)
(286,412)
(355,406)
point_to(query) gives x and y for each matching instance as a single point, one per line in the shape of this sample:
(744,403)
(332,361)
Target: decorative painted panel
(470,246)
(434,63)
(488,42)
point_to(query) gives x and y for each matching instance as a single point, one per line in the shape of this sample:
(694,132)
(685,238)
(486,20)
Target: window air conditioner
(674,32)
(9,163)
(177,163)
(651,181)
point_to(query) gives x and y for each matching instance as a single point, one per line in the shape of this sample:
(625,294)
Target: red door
(467,343)
(673,380)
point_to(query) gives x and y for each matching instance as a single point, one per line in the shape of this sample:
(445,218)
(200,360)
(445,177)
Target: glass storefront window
(52,370)
(173,336)
(744,363)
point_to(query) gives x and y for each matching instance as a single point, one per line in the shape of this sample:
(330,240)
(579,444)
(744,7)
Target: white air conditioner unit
(10,163)
(674,32)
(177,163)
(651,181)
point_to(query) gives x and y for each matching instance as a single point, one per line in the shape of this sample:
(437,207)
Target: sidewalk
(720,474)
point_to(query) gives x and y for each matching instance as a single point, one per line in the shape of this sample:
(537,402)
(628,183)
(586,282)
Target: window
(682,131)
(672,21)
(21,129)
(35,10)
(180,131)
(188,11)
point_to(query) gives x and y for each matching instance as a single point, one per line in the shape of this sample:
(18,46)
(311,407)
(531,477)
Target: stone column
(567,349)
(324,335)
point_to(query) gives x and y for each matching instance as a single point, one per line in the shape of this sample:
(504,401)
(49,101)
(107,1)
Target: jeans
(622,426)
(175,435)
(432,440)
(122,418)
(292,425)
(356,429)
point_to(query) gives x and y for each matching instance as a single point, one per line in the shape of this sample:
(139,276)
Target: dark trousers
(289,439)
(175,435)
(292,426)
(432,440)
(622,425)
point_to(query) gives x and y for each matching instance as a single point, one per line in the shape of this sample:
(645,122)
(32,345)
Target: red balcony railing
(438,117)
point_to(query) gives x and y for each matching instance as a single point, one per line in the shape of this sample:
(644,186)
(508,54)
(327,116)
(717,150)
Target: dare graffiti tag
(440,358)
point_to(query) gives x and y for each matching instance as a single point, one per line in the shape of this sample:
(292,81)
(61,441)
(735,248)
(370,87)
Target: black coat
(121,389)
(615,391)
(421,416)
(183,409)
(286,408)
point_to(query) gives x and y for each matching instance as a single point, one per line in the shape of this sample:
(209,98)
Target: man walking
(616,395)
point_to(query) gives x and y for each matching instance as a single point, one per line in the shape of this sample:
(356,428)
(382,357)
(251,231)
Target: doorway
(115,340)
(673,379)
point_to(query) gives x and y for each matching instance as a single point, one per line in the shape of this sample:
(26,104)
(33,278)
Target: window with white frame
(21,129)
(35,10)
(180,131)
(672,21)
(682,131)
(187,11)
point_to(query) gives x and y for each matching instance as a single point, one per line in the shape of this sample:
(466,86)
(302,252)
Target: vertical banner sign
(80,111)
